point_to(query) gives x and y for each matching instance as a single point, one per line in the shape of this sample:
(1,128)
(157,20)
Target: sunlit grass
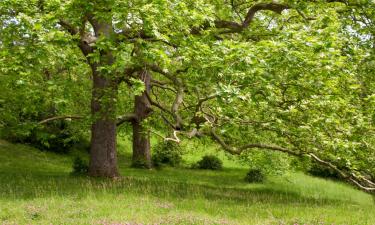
(36,188)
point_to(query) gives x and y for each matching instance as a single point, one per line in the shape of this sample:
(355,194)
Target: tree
(141,136)
(270,75)
(294,91)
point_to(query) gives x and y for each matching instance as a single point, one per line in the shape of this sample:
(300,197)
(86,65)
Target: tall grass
(37,188)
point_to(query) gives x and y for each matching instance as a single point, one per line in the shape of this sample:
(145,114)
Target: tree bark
(141,137)
(103,159)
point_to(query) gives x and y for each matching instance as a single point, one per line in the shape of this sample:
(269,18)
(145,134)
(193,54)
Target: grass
(36,188)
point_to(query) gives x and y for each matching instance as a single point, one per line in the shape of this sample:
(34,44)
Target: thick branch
(275,7)
(238,151)
(238,27)
(126,118)
(67,26)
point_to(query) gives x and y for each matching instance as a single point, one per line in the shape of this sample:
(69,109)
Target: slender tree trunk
(141,137)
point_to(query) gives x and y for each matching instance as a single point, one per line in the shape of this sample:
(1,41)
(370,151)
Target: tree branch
(60,118)
(235,27)
(67,26)
(360,182)
(126,118)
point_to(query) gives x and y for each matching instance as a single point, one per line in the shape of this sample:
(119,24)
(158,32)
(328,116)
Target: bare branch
(60,118)
(174,138)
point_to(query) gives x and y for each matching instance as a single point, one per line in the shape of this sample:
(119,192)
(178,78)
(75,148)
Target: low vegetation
(37,188)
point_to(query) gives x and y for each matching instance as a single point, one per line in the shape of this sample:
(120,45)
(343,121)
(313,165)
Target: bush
(167,153)
(55,136)
(312,168)
(322,171)
(80,166)
(210,162)
(141,164)
(271,163)
(255,176)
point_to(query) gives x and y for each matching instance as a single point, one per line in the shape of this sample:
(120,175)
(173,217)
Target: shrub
(255,176)
(318,170)
(310,167)
(167,153)
(271,163)
(80,166)
(210,162)
(141,164)
(55,136)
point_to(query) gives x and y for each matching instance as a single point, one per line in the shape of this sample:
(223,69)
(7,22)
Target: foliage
(167,153)
(270,163)
(307,166)
(255,176)
(296,79)
(209,162)
(80,166)
(56,137)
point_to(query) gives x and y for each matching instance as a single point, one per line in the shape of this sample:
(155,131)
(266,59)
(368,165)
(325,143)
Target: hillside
(37,188)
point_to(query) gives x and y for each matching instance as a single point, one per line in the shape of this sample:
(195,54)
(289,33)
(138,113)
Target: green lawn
(36,188)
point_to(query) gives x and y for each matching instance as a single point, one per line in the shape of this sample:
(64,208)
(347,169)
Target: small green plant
(167,153)
(80,166)
(209,162)
(141,164)
(255,176)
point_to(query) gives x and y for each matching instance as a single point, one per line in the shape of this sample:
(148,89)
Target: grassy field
(36,188)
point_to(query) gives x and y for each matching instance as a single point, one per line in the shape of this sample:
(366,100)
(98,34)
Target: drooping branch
(239,150)
(358,181)
(179,85)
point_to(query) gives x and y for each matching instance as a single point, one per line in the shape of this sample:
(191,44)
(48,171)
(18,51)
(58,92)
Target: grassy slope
(35,188)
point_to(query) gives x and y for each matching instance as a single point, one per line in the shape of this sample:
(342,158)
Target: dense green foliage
(255,176)
(291,76)
(167,153)
(209,162)
(80,166)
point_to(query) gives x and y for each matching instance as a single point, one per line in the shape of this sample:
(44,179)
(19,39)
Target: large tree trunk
(141,137)
(103,159)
